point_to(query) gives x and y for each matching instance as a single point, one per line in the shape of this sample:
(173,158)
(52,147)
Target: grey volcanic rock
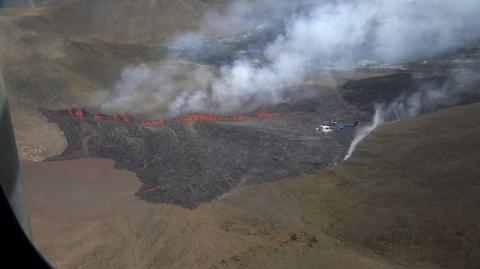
(189,163)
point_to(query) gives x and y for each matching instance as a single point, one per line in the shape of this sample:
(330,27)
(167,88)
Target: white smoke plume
(332,33)
(427,99)
(365,131)
(155,88)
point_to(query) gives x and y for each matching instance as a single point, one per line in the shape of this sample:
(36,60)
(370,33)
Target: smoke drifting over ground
(328,35)
(427,99)
(157,88)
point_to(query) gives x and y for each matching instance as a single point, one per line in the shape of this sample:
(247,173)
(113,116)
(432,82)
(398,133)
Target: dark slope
(454,71)
(411,190)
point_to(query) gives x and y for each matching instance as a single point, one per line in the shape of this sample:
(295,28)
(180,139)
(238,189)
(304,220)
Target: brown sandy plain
(84,214)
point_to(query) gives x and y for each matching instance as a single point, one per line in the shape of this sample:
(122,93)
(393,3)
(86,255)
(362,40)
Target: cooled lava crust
(187,163)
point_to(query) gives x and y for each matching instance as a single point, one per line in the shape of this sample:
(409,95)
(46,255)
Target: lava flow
(186,164)
(82,113)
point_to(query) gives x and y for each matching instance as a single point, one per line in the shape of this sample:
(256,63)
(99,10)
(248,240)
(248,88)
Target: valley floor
(339,218)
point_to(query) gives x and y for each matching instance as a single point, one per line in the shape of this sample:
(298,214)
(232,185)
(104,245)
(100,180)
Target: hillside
(410,191)
(28,3)
(50,70)
(56,56)
(145,22)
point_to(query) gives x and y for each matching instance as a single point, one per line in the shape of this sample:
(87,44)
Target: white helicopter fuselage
(324,129)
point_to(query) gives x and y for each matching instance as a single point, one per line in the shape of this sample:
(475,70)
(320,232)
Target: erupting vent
(77,112)
(199,117)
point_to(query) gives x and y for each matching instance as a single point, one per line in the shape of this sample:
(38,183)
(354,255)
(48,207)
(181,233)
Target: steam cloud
(333,33)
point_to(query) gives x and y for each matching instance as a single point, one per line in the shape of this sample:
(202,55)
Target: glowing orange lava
(82,113)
